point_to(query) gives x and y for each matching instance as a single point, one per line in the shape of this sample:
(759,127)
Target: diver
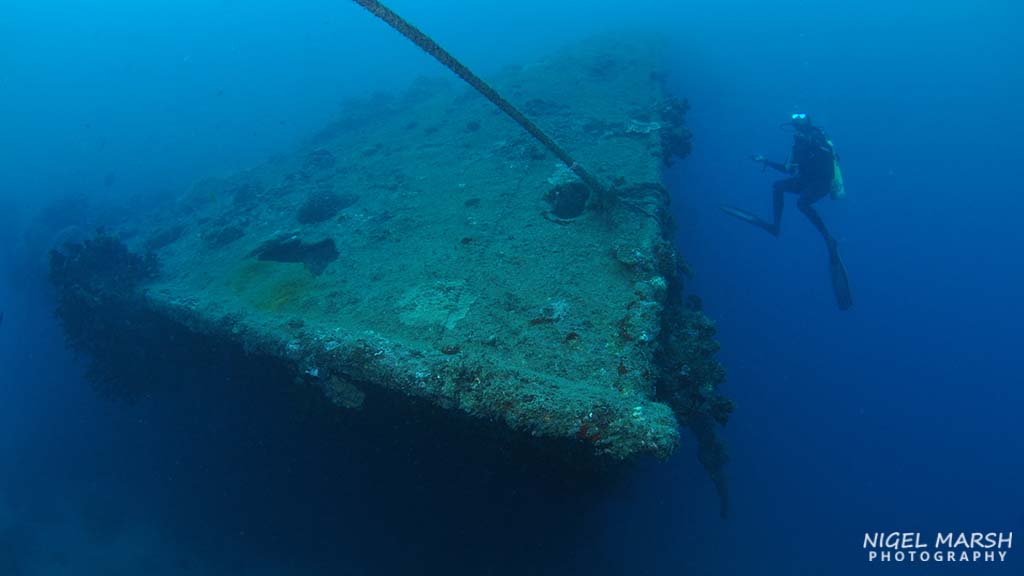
(814,173)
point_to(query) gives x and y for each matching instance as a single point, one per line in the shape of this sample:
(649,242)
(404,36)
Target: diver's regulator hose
(428,45)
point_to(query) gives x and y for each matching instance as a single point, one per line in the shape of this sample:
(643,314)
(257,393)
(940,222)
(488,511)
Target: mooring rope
(428,45)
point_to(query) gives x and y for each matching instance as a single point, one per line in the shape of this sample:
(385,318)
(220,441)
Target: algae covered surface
(424,244)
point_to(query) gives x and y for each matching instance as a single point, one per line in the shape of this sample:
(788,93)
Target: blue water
(901,414)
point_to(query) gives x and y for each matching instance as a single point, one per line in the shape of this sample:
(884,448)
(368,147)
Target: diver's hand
(758,158)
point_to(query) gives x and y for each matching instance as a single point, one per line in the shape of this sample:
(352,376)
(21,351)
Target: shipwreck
(425,250)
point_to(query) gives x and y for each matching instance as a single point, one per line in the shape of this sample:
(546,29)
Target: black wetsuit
(812,167)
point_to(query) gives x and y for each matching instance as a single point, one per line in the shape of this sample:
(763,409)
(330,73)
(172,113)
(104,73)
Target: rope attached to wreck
(428,45)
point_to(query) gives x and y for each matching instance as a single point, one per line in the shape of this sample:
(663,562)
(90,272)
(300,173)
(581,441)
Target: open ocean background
(902,414)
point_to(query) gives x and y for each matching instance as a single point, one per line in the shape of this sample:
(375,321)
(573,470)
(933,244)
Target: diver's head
(800,122)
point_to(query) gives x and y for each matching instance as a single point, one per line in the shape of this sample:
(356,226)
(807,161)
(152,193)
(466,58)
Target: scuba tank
(838,191)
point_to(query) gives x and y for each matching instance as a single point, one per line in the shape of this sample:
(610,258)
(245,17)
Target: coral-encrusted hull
(425,245)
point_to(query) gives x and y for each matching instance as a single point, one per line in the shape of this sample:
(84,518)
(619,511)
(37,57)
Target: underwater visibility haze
(281,294)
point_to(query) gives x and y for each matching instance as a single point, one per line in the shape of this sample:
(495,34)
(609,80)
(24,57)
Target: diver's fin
(840,281)
(749,217)
(741,214)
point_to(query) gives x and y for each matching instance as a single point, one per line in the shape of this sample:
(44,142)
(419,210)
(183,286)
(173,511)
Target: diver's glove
(761,159)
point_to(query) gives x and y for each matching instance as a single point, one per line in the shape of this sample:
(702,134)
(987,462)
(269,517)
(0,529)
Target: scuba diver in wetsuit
(814,172)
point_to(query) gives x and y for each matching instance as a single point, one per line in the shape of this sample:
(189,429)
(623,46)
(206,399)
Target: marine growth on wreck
(425,249)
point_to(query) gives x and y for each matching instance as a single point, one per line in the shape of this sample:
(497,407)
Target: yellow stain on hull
(274,286)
